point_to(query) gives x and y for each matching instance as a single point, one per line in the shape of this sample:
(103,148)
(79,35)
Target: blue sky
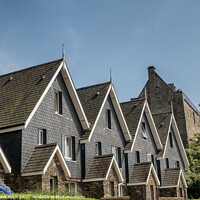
(124,35)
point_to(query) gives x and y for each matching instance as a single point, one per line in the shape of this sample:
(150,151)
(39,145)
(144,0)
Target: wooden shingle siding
(56,125)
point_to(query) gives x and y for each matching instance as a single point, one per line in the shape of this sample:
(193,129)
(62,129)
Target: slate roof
(132,111)
(140,173)
(171,177)
(99,166)
(21,90)
(91,98)
(39,158)
(162,122)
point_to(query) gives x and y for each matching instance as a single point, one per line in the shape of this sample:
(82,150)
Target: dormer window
(98,148)
(42,136)
(144,130)
(108,119)
(59,103)
(68,147)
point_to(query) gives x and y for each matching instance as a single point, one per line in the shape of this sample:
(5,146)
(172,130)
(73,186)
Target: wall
(144,146)
(107,137)
(11,145)
(56,125)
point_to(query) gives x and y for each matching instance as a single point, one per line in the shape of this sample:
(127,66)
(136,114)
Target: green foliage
(38,196)
(193,172)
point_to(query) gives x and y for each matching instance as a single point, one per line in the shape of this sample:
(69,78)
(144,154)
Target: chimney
(151,72)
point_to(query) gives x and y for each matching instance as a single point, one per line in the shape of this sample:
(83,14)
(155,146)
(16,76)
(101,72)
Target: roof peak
(27,68)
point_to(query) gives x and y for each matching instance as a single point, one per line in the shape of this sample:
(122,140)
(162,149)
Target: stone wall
(152,182)
(168,192)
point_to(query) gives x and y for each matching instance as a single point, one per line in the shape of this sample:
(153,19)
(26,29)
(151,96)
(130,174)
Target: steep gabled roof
(93,99)
(133,111)
(41,159)
(172,177)
(164,121)
(141,173)
(22,92)
(100,168)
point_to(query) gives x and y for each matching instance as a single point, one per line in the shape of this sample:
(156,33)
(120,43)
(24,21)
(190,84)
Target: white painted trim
(12,129)
(167,137)
(154,173)
(62,162)
(61,159)
(116,168)
(32,173)
(136,133)
(74,97)
(184,181)
(179,141)
(94,179)
(153,126)
(97,119)
(4,162)
(43,95)
(120,115)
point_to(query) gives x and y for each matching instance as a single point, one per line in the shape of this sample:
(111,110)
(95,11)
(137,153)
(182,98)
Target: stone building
(56,138)
(161,96)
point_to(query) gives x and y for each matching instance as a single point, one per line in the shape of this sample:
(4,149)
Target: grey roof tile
(171,177)
(21,90)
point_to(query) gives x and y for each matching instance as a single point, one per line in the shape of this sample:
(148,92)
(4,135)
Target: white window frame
(148,157)
(40,136)
(120,191)
(144,133)
(114,151)
(96,148)
(110,189)
(175,164)
(65,152)
(75,188)
(57,100)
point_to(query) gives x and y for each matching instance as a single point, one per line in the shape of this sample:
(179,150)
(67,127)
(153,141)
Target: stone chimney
(151,72)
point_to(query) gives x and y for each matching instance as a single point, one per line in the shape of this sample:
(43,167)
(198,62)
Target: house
(141,152)
(160,95)
(108,134)
(83,141)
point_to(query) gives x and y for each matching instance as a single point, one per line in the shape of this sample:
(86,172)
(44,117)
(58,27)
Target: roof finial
(111,76)
(145,93)
(172,108)
(63,53)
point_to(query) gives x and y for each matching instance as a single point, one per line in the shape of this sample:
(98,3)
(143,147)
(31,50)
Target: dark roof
(162,122)
(132,111)
(39,158)
(100,166)
(140,172)
(91,98)
(21,90)
(171,177)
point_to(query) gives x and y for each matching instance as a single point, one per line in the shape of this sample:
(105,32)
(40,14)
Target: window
(170,140)
(176,165)
(144,130)
(53,184)
(68,147)
(112,189)
(98,148)
(148,157)
(72,189)
(117,153)
(151,192)
(120,190)
(59,103)
(181,192)
(152,159)
(42,136)
(167,162)
(137,157)
(108,119)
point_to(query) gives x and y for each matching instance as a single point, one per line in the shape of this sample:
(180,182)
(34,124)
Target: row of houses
(56,137)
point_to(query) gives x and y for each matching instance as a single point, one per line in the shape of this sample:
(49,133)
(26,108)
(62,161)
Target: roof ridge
(93,85)
(46,145)
(10,73)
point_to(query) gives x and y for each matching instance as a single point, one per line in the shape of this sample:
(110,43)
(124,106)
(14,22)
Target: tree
(193,172)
